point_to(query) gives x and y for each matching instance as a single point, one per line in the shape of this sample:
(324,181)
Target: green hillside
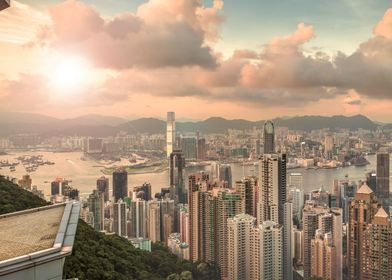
(98,256)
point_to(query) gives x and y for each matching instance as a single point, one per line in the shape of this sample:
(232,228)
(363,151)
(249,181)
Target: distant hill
(101,126)
(99,256)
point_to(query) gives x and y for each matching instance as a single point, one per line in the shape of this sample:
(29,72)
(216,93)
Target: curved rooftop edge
(35,242)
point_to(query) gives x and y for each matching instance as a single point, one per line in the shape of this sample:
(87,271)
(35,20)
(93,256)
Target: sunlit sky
(236,59)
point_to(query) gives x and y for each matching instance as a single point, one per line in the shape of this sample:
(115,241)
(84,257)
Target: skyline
(141,59)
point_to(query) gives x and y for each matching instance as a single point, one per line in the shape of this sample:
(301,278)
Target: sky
(251,59)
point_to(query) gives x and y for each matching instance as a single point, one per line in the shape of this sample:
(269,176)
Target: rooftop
(364,189)
(36,236)
(381,213)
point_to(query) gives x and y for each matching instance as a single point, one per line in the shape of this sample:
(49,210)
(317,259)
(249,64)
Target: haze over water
(85,173)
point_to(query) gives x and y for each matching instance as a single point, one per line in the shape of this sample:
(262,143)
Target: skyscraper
(382,189)
(103,187)
(170,133)
(200,202)
(120,184)
(154,221)
(247,188)
(176,176)
(272,188)
(225,174)
(311,224)
(120,218)
(95,204)
(287,242)
(228,204)
(269,137)
(361,212)
(189,148)
(378,247)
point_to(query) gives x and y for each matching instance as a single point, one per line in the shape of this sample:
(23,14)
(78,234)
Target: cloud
(162,33)
(384,27)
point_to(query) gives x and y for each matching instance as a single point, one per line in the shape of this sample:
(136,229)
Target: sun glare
(69,73)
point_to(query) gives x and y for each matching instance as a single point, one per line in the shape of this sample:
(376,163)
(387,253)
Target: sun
(69,73)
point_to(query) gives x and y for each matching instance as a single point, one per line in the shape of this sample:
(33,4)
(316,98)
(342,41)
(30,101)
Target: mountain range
(101,126)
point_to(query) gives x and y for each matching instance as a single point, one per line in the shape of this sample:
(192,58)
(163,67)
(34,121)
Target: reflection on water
(84,173)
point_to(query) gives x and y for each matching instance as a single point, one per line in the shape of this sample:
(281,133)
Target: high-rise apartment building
(25,182)
(201,218)
(269,137)
(382,188)
(170,133)
(378,247)
(154,221)
(120,218)
(296,180)
(228,204)
(254,252)
(247,188)
(361,213)
(103,187)
(95,204)
(120,184)
(272,188)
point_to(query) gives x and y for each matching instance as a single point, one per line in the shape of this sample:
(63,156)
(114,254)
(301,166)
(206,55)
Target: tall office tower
(95,204)
(296,180)
(344,191)
(167,207)
(120,218)
(378,247)
(189,148)
(371,180)
(269,137)
(272,188)
(201,230)
(120,184)
(228,204)
(247,188)
(288,241)
(103,187)
(176,176)
(154,221)
(146,191)
(361,212)
(225,174)
(271,251)
(311,223)
(242,263)
(322,252)
(57,186)
(201,148)
(4,4)
(382,190)
(170,133)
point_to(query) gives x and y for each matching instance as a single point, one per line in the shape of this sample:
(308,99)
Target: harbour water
(84,173)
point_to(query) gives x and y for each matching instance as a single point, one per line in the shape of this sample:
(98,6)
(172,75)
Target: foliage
(14,198)
(98,256)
